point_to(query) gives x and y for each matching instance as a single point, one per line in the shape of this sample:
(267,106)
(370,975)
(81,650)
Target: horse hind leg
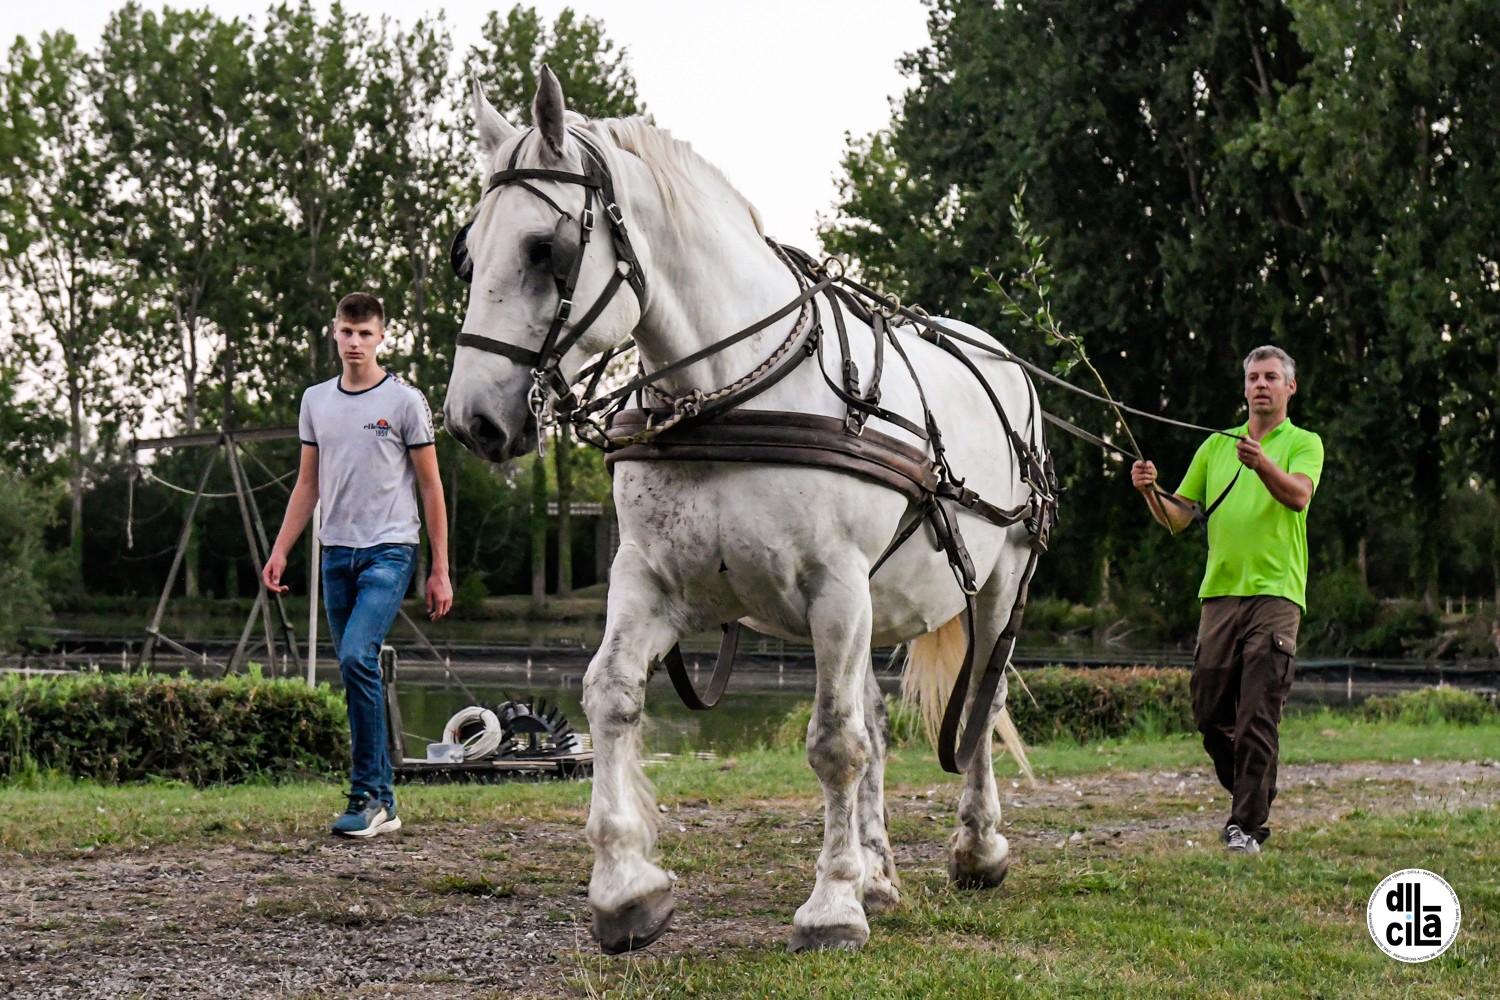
(979,854)
(629,894)
(882,885)
(839,750)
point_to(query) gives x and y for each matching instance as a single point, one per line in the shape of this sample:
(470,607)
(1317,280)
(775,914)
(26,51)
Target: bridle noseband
(569,240)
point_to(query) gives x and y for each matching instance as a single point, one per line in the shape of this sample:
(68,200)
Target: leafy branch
(1033,310)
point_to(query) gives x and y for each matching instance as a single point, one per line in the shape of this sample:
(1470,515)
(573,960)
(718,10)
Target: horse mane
(675,165)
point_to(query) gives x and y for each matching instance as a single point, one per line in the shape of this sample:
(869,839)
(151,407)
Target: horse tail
(932,665)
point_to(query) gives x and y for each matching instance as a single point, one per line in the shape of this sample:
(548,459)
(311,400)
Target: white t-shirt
(365,476)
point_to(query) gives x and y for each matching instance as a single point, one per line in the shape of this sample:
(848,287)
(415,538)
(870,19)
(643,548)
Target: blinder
(567,247)
(570,236)
(458,254)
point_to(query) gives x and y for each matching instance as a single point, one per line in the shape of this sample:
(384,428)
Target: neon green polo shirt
(1256,546)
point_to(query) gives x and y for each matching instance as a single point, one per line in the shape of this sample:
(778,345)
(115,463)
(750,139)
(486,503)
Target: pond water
(756,705)
(754,708)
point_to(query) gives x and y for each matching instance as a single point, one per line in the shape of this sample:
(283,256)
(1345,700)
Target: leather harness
(711,426)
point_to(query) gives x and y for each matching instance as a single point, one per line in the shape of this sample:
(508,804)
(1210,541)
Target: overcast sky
(765,89)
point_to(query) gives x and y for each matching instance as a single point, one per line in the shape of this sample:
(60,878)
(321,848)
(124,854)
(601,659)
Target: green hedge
(129,727)
(1100,703)
(1430,705)
(1070,704)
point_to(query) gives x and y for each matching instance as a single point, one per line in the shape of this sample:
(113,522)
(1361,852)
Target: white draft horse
(787,550)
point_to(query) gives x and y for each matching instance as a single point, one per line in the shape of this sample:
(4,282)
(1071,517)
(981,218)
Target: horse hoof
(880,897)
(636,924)
(840,937)
(988,877)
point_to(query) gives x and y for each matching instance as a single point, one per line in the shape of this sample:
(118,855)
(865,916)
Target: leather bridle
(570,239)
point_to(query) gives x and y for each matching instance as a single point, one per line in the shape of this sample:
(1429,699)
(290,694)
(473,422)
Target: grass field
(1119,887)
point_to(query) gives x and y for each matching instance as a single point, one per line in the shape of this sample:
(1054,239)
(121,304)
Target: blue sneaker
(366,816)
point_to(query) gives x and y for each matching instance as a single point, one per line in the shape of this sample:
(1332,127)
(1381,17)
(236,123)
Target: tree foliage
(190,199)
(1210,176)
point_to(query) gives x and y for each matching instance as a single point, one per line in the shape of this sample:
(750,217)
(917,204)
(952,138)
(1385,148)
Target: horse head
(548,258)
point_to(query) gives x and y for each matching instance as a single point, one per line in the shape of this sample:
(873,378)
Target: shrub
(905,726)
(1070,703)
(1100,703)
(128,727)
(1400,627)
(1428,706)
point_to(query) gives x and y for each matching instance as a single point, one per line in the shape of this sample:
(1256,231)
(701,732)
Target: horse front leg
(882,885)
(630,895)
(839,750)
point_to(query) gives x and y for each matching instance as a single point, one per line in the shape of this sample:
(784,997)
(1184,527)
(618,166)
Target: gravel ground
(484,910)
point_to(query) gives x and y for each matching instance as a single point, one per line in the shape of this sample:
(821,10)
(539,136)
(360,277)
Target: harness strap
(778,438)
(972,501)
(717,683)
(521,355)
(514,173)
(861,407)
(1025,457)
(956,750)
(619,233)
(919,515)
(651,378)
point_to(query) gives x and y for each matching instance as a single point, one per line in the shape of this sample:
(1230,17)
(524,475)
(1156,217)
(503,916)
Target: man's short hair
(1288,366)
(360,306)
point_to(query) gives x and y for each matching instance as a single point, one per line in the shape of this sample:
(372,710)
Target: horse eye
(539,252)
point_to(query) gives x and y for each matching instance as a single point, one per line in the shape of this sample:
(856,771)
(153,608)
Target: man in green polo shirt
(1257,481)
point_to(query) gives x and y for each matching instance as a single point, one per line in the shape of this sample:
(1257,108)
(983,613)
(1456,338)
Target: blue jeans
(362,591)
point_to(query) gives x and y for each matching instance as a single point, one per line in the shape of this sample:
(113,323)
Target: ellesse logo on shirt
(381,427)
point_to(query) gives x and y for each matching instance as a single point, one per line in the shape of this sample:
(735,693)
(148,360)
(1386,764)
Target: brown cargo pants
(1242,671)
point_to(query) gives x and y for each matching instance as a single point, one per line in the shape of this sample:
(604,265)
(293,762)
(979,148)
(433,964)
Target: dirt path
(448,911)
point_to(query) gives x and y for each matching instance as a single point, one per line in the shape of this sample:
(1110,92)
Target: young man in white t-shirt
(366,443)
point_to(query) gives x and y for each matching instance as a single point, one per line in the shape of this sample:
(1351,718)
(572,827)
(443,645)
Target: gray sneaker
(366,816)
(1237,841)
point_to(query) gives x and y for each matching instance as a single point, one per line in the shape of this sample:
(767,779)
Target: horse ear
(493,128)
(547,110)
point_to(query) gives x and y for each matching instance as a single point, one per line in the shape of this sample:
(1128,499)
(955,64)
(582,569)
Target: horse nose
(485,436)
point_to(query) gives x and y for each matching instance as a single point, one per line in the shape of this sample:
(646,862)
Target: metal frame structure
(255,537)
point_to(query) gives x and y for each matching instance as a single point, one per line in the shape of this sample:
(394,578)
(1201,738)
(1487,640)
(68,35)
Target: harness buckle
(615,215)
(851,377)
(586,219)
(564,310)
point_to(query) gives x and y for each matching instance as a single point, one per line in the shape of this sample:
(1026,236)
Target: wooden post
(395,739)
(312,590)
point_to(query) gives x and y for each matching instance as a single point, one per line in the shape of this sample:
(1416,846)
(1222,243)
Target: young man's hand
(271,574)
(439,594)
